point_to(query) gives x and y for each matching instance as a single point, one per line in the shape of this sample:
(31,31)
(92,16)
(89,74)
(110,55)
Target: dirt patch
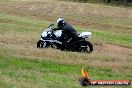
(112,48)
(116,49)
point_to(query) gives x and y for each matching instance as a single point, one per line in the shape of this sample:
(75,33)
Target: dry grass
(36,8)
(22,42)
(64,8)
(93,16)
(102,55)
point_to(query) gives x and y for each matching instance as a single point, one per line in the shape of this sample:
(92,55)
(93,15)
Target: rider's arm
(56,29)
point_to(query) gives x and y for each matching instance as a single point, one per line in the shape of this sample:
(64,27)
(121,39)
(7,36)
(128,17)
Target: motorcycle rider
(68,32)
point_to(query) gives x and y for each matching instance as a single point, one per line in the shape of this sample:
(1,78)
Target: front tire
(40,44)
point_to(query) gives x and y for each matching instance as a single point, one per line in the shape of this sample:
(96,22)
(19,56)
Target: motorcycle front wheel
(40,44)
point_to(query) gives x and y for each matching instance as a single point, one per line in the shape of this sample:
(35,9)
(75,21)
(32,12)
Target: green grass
(123,40)
(25,72)
(110,37)
(108,20)
(16,23)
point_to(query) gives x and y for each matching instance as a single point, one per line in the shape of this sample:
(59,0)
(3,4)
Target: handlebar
(51,25)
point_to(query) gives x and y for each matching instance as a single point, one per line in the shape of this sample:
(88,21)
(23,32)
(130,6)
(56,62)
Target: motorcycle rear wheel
(84,46)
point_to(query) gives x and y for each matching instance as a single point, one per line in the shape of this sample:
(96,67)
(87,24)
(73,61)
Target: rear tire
(84,46)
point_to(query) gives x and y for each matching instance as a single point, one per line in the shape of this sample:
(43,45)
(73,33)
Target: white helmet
(60,22)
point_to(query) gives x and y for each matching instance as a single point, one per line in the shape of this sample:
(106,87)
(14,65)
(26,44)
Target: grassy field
(22,65)
(27,73)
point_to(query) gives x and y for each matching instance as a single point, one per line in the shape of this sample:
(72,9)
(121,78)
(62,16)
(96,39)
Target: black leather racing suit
(68,32)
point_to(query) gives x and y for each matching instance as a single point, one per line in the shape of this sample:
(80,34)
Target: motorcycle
(50,38)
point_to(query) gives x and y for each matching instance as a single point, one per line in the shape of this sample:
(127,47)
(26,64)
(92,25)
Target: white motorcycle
(50,38)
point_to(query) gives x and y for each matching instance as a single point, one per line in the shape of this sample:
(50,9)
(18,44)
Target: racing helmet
(60,22)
